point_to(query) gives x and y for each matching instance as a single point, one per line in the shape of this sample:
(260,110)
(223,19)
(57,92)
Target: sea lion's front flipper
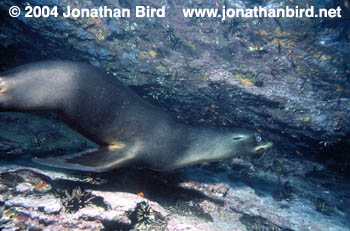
(92,160)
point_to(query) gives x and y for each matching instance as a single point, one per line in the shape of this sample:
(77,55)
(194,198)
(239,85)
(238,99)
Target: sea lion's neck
(204,145)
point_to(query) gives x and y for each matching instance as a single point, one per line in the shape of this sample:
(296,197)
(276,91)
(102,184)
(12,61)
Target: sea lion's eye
(237,137)
(258,138)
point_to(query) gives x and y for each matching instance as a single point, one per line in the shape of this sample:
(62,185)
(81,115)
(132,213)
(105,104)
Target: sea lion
(128,130)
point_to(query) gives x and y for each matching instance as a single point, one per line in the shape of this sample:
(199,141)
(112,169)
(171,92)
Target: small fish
(346,3)
(217,4)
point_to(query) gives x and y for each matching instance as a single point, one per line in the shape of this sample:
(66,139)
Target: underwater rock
(24,187)
(269,74)
(123,202)
(210,197)
(46,204)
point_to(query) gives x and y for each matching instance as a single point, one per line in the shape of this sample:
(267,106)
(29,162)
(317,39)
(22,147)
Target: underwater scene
(175,115)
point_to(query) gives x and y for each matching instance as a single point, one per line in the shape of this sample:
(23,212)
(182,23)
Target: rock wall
(286,77)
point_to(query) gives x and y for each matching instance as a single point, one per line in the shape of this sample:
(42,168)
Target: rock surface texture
(190,199)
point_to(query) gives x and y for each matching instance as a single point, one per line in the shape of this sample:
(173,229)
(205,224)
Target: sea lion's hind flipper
(92,160)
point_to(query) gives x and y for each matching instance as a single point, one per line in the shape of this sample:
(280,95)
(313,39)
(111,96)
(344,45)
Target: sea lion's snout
(263,147)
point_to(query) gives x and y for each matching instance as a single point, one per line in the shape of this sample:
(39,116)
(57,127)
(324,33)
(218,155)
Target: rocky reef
(301,197)
(287,78)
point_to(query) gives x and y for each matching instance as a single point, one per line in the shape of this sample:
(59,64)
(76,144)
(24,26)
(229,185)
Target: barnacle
(76,200)
(144,215)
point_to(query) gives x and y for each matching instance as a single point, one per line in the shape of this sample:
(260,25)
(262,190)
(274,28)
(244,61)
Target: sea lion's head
(214,144)
(247,143)
(220,144)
